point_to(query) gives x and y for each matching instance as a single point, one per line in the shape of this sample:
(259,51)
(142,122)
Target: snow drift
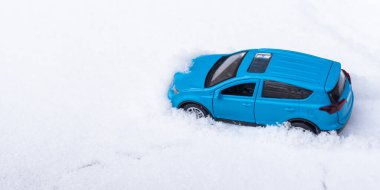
(83,95)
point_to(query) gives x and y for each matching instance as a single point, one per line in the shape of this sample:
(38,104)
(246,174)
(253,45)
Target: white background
(83,95)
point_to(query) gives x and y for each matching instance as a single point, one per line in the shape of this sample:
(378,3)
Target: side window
(245,89)
(273,89)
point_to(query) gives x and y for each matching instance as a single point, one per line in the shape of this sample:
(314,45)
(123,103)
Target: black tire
(303,126)
(198,110)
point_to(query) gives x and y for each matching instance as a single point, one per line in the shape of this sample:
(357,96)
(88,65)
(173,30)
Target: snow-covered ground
(83,95)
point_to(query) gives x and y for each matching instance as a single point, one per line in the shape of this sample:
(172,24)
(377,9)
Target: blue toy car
(265,87)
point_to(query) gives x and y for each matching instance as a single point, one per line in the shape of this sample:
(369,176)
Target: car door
(236,101)
(278,102)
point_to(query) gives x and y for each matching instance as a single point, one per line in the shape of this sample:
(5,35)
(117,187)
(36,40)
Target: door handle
(289,109)
(246,104)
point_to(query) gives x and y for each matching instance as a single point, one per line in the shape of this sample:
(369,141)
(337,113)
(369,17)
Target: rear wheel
(196,109)
(303,126)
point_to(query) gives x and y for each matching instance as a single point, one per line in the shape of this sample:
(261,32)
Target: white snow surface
(83,100)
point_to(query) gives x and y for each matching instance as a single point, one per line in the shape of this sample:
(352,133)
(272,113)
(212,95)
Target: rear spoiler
(333,76)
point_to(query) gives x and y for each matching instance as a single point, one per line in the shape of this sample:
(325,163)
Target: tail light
(347,75)
(334,107)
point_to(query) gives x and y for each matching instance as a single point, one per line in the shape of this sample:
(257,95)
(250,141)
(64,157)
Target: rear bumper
(339,127)
(347,117)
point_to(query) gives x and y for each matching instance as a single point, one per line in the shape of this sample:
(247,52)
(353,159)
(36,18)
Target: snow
(83,95)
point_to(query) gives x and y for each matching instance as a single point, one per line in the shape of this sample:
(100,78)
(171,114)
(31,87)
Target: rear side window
(273,89)
(260,63)
(337,92)
(246,89)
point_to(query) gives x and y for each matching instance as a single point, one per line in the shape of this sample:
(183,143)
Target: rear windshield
(337,92)
(224,69)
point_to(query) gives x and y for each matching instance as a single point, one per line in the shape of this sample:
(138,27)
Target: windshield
(224,69)
(337,92)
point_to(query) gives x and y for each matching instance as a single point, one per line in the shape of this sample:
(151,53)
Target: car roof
(290,66)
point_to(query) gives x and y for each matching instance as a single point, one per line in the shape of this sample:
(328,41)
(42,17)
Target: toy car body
(265,87)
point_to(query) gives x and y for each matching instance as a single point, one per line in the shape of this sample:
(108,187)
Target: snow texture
(83,95)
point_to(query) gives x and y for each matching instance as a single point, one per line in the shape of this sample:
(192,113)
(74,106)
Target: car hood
(196,76)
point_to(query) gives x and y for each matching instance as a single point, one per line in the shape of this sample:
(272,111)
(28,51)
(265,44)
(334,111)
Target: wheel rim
(198,113)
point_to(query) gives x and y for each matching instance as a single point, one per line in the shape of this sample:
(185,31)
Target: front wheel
(195,109)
